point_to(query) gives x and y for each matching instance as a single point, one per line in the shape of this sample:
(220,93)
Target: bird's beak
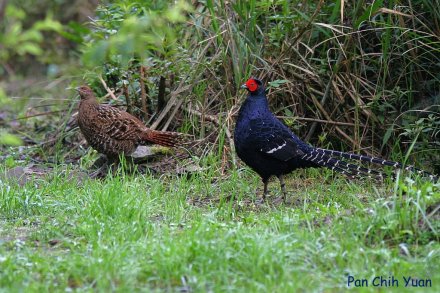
(243,86)
(77,88)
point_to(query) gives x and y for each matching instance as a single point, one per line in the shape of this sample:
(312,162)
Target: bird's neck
(89,102)
(255,105)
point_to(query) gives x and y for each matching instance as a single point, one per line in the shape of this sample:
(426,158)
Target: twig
(109,91)
(3,4)
(128,99)
(171,102)
(318,120)
(170,118)
(182,87)
(7,67)
(327,116)
(326,92)
(300,34)
(216,121)
(143,92)
(361,104)
(40,114)
(231,112)
(161,94)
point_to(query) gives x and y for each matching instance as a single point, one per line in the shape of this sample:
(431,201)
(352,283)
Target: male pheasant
(113,132)
(270,148)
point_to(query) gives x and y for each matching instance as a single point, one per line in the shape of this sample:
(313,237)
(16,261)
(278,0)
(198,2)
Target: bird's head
(253,85)
(85,92)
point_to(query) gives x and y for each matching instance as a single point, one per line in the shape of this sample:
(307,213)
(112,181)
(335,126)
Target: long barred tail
(164,138)
(340,166)
(375,160)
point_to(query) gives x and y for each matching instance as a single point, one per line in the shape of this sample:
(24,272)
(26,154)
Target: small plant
(410,216)
(423,134)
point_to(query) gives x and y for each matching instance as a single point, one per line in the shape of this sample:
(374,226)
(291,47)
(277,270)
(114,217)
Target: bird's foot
(260,201)
(100,162)
(294,202)
(100,173)
(265,200)
(279,200)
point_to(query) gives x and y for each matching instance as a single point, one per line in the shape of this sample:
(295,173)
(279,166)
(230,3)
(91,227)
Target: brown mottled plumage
(112,132)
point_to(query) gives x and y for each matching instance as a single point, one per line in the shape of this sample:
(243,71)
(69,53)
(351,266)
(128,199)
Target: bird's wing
(119,124)
(274,139)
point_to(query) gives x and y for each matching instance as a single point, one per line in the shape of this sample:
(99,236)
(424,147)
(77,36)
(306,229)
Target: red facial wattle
(251,85)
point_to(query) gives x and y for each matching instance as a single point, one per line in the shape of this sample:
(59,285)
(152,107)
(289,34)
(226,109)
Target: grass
(169,233)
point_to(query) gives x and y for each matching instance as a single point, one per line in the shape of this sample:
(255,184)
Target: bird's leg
(260,201)
(113,162)
(100,172)
(127,164)
(131,166)
(99,162)
(102,164)
(265,192)
(283,187)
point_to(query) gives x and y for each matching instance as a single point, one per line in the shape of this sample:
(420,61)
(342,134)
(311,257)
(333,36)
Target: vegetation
(173,233)
(360,76)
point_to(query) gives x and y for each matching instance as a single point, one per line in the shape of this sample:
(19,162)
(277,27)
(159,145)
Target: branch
(128,99)
(109,91)
(215,120)
(143,92)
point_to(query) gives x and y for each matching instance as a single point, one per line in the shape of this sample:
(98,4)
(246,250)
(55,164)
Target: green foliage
(5,137)
(18,41)
(124,31)
(9,139)
(424,134)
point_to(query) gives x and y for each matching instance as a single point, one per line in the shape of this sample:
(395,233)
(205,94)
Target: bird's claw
(260,201)
(279,200)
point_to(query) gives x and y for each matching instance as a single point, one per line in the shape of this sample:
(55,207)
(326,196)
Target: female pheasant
(112,131)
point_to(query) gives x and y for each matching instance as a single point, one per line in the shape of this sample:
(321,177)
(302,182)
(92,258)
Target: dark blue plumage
(270,148)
